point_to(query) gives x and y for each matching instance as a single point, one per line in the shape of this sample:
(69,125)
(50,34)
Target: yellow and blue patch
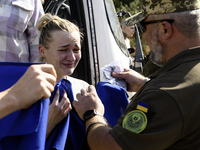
(136,120)
(142,106)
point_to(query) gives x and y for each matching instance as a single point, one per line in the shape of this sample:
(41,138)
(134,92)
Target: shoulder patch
(135,121)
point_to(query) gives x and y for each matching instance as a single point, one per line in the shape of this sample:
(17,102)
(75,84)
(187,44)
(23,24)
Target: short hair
(123,22)
(187,22)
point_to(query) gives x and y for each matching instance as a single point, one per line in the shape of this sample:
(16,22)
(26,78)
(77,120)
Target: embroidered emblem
(135,121)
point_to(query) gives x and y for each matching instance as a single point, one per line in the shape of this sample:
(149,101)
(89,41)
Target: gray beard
(156,56)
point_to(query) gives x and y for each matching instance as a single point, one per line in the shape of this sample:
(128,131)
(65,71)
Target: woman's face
(64,52)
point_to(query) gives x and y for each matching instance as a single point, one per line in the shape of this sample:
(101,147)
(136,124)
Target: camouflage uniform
(172,96)
(151,7)
(164,113)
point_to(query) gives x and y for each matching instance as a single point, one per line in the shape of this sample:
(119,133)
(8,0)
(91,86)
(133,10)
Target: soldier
(164,112)
(128,32)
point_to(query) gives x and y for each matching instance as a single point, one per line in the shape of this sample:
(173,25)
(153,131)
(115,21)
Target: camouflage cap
(162,6)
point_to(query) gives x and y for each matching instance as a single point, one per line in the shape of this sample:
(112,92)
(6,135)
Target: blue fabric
(69,132)
(23,129)
(115,100)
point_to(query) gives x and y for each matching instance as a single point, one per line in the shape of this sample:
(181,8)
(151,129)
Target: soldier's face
(129,30)
(151,36)
(156,53)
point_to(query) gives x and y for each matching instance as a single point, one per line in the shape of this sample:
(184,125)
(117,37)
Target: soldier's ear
(167,29)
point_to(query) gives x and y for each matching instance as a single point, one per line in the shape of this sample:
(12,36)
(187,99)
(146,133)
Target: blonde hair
(50,23)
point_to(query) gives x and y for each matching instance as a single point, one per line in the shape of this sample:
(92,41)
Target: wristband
(92,125)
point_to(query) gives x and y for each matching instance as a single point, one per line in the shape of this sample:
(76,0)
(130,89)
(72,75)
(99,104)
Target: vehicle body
(103,39)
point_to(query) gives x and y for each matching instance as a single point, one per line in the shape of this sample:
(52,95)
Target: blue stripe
(143,104)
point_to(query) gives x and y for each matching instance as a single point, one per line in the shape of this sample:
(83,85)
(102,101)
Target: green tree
(133,7)
(128,5)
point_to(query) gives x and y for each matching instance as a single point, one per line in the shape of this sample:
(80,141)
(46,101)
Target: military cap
(151,7)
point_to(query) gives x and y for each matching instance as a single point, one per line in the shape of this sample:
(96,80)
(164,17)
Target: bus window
(115,26)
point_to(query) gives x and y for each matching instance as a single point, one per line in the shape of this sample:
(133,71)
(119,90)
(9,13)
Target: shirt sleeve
(164,123)
(32,31)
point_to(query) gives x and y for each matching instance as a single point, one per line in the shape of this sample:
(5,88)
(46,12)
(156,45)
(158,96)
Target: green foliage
(133,7)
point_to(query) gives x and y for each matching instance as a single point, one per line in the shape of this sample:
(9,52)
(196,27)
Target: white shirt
(77,85)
